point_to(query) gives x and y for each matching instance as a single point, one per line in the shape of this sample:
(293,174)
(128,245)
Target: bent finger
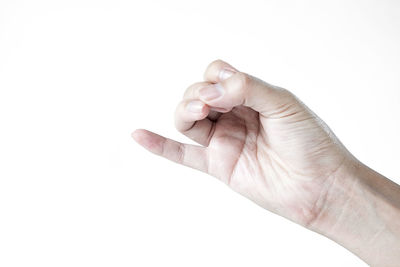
(190,120)
(230,88)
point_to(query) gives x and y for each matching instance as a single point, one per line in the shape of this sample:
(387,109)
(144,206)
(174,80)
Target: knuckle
(213,69)
(243,80)
(216,63)
(289,95)
(180,154)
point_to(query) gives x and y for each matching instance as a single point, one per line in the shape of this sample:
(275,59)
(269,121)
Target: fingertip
(149,140)
(136,134)
(142,137)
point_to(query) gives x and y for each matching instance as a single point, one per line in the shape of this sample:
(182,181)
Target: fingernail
(211,92)
(195,106)
(225,74)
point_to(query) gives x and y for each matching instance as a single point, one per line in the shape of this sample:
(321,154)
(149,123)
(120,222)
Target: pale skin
(265,144)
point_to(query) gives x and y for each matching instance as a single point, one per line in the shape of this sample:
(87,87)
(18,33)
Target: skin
(265,144)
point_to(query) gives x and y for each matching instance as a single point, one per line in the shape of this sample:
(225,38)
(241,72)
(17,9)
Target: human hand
(264,143)
(257,138)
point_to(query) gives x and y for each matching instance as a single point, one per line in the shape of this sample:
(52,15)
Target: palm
(281,169)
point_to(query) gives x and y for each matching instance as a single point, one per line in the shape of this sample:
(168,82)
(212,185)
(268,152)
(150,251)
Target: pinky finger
(189,155)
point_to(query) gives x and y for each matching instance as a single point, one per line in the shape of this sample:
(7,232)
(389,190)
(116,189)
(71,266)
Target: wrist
(361,212)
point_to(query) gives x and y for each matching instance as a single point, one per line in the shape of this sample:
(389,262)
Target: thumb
(231,88)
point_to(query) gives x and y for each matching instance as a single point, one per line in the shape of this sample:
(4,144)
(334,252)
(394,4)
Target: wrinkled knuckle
(181,154)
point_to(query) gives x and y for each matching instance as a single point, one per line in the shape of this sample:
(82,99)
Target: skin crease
(265,144)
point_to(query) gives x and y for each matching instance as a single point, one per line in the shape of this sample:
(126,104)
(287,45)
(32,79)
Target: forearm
(361,212)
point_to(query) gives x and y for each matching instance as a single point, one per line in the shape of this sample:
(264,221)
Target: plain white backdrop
(77,77)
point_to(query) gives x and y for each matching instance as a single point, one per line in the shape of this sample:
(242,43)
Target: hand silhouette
(259,139)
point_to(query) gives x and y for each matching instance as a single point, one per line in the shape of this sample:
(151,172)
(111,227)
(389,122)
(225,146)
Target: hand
(257,138)
(267,145)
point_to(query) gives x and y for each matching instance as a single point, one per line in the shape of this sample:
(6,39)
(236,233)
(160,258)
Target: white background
(77,77)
